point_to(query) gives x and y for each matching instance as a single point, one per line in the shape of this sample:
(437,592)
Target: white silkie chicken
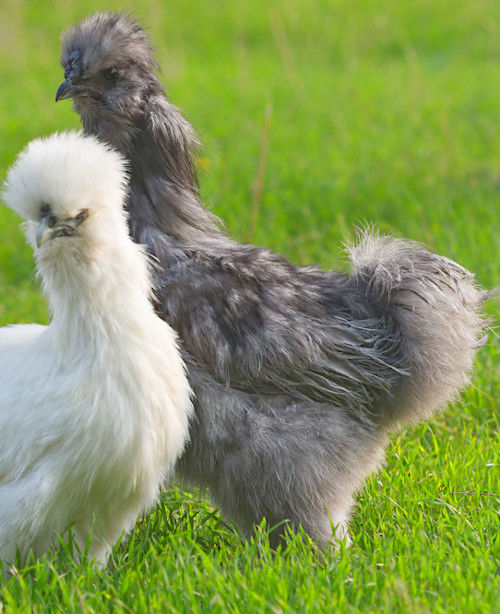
(94,407)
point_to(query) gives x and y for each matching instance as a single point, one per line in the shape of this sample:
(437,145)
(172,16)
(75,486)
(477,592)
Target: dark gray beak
(66,90)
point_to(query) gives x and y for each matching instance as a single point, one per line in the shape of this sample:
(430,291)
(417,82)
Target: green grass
(382,111)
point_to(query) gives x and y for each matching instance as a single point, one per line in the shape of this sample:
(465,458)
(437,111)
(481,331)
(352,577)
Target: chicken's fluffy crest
(67,171)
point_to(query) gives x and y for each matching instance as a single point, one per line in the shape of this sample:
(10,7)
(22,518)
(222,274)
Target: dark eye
(110,74)
(46,212)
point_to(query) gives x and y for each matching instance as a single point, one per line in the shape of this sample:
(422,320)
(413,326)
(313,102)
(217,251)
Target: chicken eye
(46,213)
(110,74)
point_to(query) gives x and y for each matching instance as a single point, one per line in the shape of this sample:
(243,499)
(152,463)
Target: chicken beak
(66,90)
(44,232)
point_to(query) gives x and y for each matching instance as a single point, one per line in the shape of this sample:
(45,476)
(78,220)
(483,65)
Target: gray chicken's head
(108,64)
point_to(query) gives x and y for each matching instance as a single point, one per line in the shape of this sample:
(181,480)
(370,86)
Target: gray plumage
(299,374)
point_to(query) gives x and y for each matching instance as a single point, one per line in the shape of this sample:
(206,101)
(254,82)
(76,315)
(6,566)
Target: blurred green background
(384,112)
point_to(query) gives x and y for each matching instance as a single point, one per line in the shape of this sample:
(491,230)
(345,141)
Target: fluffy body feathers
(299,374)
(94,407)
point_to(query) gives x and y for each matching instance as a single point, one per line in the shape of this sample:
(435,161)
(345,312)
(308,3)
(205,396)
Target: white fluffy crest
(69,171)
(94,407)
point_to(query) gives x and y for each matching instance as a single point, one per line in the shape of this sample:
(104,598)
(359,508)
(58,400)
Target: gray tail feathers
(434,306)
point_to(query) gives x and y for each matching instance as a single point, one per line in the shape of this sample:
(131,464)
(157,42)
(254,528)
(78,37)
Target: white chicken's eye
(46,213)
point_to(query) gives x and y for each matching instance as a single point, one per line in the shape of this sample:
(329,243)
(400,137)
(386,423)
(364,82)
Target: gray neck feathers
(159,143)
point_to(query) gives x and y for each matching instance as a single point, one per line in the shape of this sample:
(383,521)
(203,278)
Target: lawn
(376,111)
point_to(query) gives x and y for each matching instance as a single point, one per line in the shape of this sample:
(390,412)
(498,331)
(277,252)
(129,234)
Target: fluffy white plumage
(94,407)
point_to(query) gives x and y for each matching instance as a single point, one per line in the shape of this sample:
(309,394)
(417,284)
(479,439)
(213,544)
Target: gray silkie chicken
(299,374)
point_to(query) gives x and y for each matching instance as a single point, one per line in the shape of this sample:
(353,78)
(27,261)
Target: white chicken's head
(59,184)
